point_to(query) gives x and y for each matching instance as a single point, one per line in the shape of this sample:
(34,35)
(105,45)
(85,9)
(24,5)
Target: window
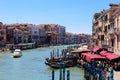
(102,37)
(106,18)
(1,32)
(108,26)
(35,32)
(105,28)
(1,38)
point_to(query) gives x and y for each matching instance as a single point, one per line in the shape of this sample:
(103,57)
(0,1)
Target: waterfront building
(17,33)
(21,33)
(55,34)
(25,29)
(2,35)
(9,34)
(84,38)
(38,35)
(51,34)
(115,29)
(72,38)
(61,32)
(34,32)
(18,36)
(76,39)
(105,28)
(69,38)
(42,36)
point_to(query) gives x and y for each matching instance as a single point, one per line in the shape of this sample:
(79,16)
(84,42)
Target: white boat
(17,53)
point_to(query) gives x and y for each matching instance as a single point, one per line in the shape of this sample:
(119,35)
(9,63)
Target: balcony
(95,37)
(114,31)
(111,31)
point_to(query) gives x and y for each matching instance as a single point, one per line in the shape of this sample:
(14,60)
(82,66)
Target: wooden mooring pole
(61,66)
(68,75)
(63,73)
(53,75)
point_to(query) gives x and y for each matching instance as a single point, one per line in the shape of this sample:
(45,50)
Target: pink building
(2,35)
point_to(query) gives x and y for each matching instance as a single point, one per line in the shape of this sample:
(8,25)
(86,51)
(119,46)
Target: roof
(75,51)
(80,50)
(17,49)
(24,44)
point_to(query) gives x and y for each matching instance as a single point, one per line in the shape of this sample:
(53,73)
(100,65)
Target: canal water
(31,66)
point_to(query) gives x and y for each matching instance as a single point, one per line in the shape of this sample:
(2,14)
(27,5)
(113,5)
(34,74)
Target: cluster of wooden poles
(56,54)
(62,73)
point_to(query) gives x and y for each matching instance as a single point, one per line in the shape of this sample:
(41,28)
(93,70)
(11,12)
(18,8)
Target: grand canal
(31,66)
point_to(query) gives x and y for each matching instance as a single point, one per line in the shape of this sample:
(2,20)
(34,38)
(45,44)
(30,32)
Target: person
(67,54)
(97,76)
(111,73)
(104,74)
(115,66)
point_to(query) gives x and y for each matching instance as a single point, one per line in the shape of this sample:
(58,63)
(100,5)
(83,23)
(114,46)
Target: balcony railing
(95,37)
(111,31)
(114,31)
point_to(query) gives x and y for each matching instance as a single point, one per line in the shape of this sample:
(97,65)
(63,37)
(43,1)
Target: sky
(75,15)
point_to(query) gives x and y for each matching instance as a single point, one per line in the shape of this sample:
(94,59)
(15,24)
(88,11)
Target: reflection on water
(31,66)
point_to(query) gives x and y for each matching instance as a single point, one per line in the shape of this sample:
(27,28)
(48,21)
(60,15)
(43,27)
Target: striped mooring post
(68,75)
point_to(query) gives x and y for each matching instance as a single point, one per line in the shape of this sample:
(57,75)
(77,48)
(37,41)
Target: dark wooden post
(63,71)
(52,74)
(61,65)
(68,75)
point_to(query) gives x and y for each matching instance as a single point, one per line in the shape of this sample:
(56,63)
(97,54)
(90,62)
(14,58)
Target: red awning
(88,57)
(109,55)
(112,56)
(95,49)
(84,54)
(104,53)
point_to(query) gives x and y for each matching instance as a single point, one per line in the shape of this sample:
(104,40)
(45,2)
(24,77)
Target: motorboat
(17,53)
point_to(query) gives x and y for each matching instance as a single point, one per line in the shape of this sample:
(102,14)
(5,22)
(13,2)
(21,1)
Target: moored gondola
(55,63)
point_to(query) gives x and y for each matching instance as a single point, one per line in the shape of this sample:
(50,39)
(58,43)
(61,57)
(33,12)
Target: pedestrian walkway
(116,75)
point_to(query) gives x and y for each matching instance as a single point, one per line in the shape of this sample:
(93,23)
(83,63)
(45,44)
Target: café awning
(112,56)
(103,53)
(109,55)
(80,50)
(95,49)
(88,57)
